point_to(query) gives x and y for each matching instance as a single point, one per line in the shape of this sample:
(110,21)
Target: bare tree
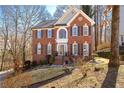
(114,60)
(5,33)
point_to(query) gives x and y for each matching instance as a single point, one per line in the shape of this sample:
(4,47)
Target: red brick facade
(80,39)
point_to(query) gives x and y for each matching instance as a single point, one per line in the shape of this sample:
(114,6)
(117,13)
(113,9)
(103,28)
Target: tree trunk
(96,27)
(114,60)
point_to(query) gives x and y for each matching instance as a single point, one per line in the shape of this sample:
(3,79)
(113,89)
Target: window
(62,34)
(39,34)
(85,30)
(75,30)
(38,48)
(121,38)
(49,49)
(49,34)
(86,49)
(75,49)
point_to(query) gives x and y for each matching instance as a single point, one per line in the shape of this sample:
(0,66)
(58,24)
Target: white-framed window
(75,30)
(85,30)
(85,49)
(62,34)
(49,33)
(75,49)
(49,49)
(39,34)
(38,48)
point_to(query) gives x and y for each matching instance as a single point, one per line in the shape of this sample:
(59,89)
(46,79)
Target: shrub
(34,63)
(52,59)
(27,64)
(21,80)
(104,54)
(43,62)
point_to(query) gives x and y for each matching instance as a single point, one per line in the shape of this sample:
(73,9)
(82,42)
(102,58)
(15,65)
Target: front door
(61,49)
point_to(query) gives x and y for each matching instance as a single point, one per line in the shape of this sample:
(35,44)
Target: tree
(88,9)
(21,19)
(4,33)
(114,60)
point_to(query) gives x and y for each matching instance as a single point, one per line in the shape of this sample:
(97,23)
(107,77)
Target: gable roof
(71,14)
(66,19)
(45,24)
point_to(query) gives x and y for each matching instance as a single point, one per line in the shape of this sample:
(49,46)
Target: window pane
(39,48)
(86,49)
(49,34)
(85,30)
(39,34)
(75,49)
(62,33)
(75,31)
(49,49)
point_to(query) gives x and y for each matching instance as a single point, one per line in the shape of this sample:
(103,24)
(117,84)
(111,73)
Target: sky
(51,8)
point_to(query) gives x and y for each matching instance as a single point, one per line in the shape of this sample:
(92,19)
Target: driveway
(4,74)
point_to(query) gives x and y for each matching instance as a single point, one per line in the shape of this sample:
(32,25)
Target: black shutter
(82,30)
(89,30)
(78,30)
(70,30)
(70,49)
(52,49)
(78,49)
(46,49)
(52,33)
(90,50)
(82,49)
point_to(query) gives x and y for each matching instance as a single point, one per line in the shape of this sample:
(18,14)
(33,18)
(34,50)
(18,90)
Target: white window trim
(39,48)
(75,26)
(87,46)
(73,51)
(84,27)
(49,49)
(49,31)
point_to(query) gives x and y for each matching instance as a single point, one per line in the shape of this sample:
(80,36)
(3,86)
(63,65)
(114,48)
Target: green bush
(52,59)
(43,62)
(104,54)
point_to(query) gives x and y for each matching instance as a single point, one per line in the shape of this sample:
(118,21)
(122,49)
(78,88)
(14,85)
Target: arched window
(85,49)
(38,48)
(49,49)
(75,49)
(75,30)
(62,34)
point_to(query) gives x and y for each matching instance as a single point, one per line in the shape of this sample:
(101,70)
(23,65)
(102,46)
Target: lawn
(98,75)
(33,76)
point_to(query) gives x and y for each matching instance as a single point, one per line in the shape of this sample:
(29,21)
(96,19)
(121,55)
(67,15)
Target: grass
(31,77)
(103,46)
(94,79)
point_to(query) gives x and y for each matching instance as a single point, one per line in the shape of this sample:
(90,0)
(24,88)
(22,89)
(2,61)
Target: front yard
(98,75)
(87,75)
(34,76)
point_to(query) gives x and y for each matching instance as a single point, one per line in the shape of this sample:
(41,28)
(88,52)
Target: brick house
(70,35)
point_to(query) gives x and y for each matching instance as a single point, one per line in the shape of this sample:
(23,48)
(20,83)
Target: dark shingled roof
(45,24)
